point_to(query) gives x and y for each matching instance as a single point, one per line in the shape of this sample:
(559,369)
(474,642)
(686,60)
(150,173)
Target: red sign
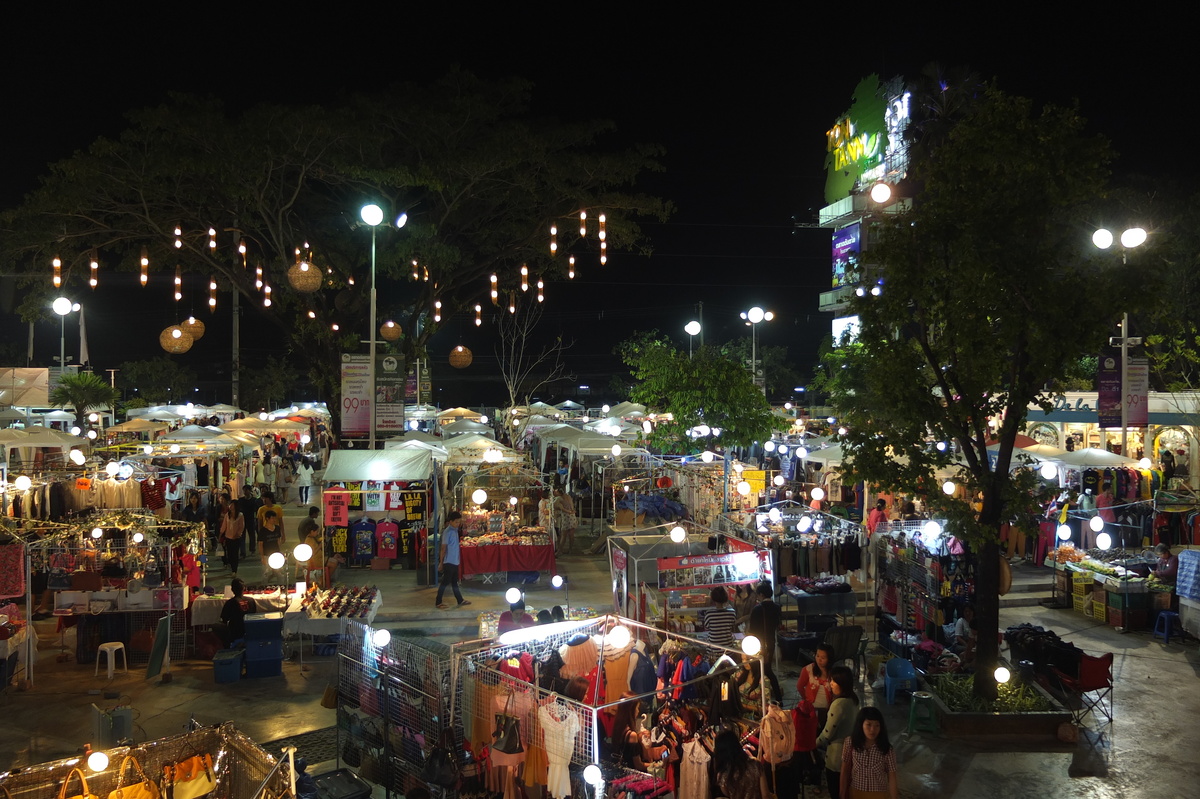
(619,559)
(337,508)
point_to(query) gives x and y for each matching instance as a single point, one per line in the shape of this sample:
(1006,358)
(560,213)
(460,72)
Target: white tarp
(379,464)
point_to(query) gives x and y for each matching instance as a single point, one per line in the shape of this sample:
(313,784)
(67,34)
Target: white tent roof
(439,453)
(539,421)
(385,464)
(465,426)
(568,405)
(1093,456)
(249,423)
(11,414)
(58,416)
(626,409)
(472,441)
(542,407)
(416,435)
(223,407)
(161,414)
(828,455)
(192,432)
(420,412)
(459,413)
(137,426)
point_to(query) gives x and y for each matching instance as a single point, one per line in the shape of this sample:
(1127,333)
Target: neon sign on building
(867,143)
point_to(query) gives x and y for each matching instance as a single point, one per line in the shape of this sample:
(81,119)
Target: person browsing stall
(450,556)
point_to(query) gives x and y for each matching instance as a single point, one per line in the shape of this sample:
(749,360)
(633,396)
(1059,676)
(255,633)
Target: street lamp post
(1131,238)
(372,215)
(753,317)
(62,306)
(692,328)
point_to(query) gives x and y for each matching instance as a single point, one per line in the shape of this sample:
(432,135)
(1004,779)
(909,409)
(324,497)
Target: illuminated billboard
(847,246)
(866,144)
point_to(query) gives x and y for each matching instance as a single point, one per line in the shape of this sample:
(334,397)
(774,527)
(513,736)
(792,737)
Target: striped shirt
(719,622)
(869,769)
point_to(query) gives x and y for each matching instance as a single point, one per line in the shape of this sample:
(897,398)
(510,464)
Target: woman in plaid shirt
(868,759)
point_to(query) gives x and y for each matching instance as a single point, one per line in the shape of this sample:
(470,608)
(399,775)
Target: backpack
(777,736)
(643,680)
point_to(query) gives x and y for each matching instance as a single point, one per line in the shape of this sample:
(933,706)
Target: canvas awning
(379,464)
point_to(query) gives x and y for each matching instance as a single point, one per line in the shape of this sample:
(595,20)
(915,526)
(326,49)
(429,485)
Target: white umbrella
(1095,457)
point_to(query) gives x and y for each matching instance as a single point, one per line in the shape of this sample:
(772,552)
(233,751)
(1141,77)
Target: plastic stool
(921,715)
(110,651)
(1162,627)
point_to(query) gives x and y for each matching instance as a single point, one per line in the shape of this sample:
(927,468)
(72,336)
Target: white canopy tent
(440,453)
(464,426)
(459,413)
(379,464)
(193,432)
(1093,457)
(627,409)
(138,426)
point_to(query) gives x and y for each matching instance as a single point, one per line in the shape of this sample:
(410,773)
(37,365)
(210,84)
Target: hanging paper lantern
(390,331)
(56,279)
(175,340)
(145,262)
(461,357)
(93,281)
(664,482)
(303,276)
(193,327)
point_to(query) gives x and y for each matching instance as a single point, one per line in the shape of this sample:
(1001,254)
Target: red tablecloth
(505,558)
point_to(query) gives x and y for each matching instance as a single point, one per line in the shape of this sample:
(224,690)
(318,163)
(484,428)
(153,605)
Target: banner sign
(1137,393)
(356,395)
(847,244)
(337,508)
(1108,381)
(389,395)
(701,571)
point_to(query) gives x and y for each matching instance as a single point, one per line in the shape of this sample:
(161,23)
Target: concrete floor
(1143,753)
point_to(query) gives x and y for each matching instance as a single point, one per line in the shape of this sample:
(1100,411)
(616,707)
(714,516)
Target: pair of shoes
(464,602)
(442,606)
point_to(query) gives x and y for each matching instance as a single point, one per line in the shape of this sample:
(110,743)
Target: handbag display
(62,792)
(190,779)
(58,580)
(138,790)
(507,737)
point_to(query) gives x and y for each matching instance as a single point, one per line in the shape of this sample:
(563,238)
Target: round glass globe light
(76,430)
(931,528)
(618,636)
(61,306)
(22,483)
(1144,463)
(1064,532)
(616,450)
(881,192)
(97,532)
(706,456)
(743,488)
(147,449)
(1048,470)
(804,525)
(513,501)
(381,638)
(1001,674)
(769,446)
(692,328)
(302,552)
(276,560)
(678,534)
(778,480)
(111,468)
(801,452)
(774,515)
(1134,237)
(173,449)
(556,581)
(1102,238)
(817,493)
(1096,523)
(948,488)
(97,761)
(751,645)
(138,538)
(372,214)
(512,595)
(1104,541)
(592,774)
(77,457)
(91,434)
(755,315)
(479,496)
(305,439)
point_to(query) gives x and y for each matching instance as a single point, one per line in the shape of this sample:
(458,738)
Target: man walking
(764,625)
(450,557)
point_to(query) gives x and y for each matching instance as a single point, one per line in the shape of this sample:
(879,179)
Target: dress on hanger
(693,772)
(560,726)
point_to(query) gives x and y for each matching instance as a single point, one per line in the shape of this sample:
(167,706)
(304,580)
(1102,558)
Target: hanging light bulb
(425,273)
(437,310)
(416,273)
(312,314)
(478,314)
(603,233)
(266,295)
(212,292)
(242,250)
(603,253)
(553,239)
(258,277)
(335,327)
(524,277)
(145,266)
(178,283)
(495,290)
(178,240)
(512,302)
(95,271)
(57,278)
(212,238)
(541,289)
(583,223)
(571,268)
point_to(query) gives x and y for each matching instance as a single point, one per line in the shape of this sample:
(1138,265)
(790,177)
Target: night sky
(741,103)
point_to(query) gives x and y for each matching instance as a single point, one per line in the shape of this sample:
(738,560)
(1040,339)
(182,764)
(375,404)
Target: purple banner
(1108,380)
(846,247)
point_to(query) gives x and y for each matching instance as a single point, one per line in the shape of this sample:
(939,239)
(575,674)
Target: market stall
(665,575)
(377,508)
(237,769)
(553,736)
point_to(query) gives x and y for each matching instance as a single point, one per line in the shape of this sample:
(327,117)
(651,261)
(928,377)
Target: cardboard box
(381,564)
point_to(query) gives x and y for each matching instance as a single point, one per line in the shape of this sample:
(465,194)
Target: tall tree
(481,181)
(83,391)
(706,390)
(779,373)
(991,290)
(269,386)
(528,363)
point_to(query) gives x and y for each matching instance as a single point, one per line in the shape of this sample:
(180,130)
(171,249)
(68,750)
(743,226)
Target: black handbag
(507,737)
(441,768)
(58,580)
